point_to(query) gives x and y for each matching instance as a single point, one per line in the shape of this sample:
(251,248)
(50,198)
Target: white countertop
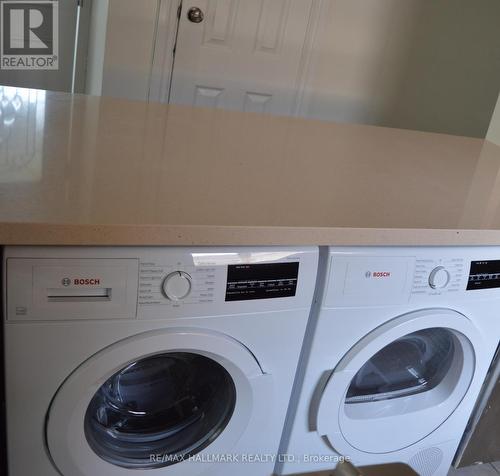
(88,170)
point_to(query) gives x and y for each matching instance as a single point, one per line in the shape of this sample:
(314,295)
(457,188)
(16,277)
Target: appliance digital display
(484,275)
(261,281)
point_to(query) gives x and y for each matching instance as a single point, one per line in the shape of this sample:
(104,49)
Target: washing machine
(151,361)
(395,358)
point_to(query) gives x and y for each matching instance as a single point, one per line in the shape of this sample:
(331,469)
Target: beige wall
(494,130)
(420,64)
(359,49)
(431,65)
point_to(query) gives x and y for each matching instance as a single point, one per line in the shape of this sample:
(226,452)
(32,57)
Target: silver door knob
(195,15)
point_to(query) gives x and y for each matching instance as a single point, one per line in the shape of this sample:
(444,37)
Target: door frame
(165,42)
(167,24)
(82,38)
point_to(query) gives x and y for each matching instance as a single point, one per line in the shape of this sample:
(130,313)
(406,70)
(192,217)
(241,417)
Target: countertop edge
(187,235)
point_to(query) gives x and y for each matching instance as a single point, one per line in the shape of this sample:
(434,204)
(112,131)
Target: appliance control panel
(197,282)
(68,283)
(438,276)
(247,282)
(179,284)
(484,274)
(169,284)
(392,276)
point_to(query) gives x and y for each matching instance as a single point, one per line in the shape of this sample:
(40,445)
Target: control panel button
(177,285)
(439,278)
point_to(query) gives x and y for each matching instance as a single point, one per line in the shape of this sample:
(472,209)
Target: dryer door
(399,383)
(148,403)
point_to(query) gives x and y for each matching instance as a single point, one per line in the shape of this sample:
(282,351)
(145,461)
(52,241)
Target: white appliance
(396,358)
(151,361)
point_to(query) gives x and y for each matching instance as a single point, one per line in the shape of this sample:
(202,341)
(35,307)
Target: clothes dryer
(395,358)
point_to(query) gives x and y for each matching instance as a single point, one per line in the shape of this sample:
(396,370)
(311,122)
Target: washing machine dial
(439,278)
(177,285)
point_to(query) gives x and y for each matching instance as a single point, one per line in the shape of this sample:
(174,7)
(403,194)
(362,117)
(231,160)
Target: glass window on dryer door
(412,364)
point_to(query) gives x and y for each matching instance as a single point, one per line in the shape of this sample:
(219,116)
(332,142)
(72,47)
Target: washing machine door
(150,403)
(399,383)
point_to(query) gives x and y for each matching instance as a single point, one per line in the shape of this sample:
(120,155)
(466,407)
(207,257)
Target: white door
(144,405)
(399,383)
(244,55)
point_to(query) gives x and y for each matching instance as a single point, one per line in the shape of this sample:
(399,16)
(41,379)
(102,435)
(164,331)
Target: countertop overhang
(83,170)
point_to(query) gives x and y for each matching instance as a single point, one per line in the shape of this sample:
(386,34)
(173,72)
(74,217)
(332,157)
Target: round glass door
(410,365)
(399,383)
(414,382)
(160,410)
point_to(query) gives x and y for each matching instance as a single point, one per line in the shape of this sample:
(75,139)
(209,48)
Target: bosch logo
(86,282)
(81,281)
(378,274)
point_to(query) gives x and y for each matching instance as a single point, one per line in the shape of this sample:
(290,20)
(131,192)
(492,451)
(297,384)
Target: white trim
(81,52)
(163,56)
(75,51)
(319,10)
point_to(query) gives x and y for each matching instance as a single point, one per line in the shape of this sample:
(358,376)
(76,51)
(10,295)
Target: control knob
(177,285)
(439,278)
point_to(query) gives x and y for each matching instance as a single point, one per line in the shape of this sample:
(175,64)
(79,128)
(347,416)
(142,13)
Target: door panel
(408,373)
(207,97)
(167,392)
(245,55)
(219,29)
(255,102)
(271,28)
